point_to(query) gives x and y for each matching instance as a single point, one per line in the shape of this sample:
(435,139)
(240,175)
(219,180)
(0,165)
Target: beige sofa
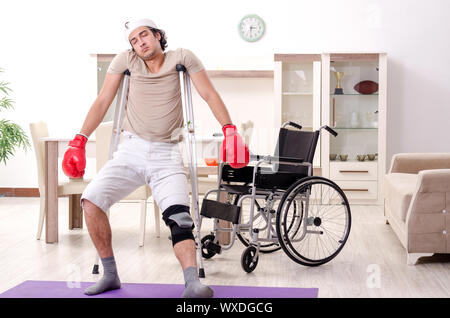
(417,202)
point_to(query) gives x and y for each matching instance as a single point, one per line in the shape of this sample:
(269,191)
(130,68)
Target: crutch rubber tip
(95,269)
(201,273)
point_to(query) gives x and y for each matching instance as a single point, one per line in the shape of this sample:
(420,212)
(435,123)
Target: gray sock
(193,287)
(109,281)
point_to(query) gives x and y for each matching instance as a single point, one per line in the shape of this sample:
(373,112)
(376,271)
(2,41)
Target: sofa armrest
(427,219)
(415,162)
(433,180)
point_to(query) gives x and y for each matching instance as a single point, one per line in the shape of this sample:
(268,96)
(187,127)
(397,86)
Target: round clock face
(251,28)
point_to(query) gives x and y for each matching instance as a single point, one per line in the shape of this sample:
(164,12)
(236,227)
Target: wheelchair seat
(265,181)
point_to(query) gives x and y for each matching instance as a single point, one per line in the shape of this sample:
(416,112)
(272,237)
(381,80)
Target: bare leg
(100,231)
(185,253)
(99,228)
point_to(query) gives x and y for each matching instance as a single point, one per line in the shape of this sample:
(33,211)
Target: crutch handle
(127,72)
(180,68)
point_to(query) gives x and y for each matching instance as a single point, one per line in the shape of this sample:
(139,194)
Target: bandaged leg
(179,220)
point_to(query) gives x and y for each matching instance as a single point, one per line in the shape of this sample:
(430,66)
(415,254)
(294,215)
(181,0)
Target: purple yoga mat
(58,289)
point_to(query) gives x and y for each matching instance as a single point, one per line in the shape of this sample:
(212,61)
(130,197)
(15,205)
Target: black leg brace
(178,218)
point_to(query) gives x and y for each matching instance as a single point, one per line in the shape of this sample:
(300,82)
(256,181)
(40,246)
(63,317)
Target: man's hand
(234,150)
(74,161)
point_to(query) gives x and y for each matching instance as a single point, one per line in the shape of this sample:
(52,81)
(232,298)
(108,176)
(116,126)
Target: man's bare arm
(207,91)
(101,104)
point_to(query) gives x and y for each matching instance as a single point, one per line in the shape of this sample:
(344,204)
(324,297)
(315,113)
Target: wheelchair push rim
(324,227)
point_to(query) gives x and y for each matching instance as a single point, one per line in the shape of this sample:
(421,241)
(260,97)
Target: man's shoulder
(180,52)
(188,59)
(120,62)
(123,56)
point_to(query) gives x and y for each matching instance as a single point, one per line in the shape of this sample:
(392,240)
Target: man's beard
(147,55)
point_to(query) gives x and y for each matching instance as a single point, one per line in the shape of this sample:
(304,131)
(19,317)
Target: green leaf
(12,136)
(6,103)
(4,88)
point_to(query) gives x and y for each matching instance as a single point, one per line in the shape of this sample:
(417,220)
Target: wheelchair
(277,203)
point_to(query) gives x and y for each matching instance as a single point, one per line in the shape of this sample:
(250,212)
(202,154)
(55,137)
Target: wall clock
(251,28)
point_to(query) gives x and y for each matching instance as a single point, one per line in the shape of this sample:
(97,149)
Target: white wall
(46,47)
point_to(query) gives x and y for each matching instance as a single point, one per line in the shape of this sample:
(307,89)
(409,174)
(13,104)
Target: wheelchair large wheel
(259,222)
(322,230)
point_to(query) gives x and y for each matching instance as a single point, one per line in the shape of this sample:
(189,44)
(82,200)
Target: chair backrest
(102,143)
(39,130)
(246,131)
(296,144)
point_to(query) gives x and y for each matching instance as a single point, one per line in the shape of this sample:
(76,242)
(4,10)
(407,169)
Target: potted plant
(12,136)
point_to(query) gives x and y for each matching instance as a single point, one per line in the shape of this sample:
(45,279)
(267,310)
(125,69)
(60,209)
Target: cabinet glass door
(300,83)
(103,61)
(297,94)
(354,109)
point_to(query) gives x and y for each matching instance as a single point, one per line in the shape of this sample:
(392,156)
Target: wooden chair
(72,188)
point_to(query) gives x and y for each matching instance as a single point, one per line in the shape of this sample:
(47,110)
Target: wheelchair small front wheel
(249,259)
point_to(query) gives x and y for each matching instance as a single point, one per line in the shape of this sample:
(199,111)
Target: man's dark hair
(163,40)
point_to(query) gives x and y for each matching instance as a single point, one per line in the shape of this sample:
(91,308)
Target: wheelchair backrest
(291,143)
(296,144)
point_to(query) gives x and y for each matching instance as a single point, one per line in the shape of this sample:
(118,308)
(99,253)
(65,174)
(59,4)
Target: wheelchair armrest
(290,159)
(272,159)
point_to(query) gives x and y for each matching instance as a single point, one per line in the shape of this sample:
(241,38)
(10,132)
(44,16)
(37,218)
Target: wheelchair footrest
(213,247)
(220,210)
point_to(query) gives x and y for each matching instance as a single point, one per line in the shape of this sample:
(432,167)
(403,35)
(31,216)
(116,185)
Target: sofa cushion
(398,191)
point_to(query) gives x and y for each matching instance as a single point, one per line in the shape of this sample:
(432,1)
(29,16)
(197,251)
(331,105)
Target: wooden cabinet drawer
(353,170)
(356,190)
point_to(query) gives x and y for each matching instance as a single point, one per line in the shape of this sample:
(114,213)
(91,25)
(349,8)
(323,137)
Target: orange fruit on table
(211,161)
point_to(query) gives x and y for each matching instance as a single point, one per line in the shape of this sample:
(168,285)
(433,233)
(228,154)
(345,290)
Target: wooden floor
(372,264)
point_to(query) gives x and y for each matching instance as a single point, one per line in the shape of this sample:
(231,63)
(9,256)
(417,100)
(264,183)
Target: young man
(148,154)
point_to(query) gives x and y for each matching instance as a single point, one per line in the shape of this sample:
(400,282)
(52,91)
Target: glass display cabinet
(354,104)
(297,88)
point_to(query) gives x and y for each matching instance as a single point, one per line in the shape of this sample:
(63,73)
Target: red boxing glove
(74,161)
(234,150)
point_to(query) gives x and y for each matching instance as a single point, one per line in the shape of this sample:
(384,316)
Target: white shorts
(135,163)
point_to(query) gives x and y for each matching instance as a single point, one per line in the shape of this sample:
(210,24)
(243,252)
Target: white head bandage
(130,26)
